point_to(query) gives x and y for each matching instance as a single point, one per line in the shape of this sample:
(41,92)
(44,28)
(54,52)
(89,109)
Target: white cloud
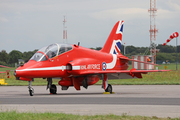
(174,4)
(3,19)
(165,14)
(126,13)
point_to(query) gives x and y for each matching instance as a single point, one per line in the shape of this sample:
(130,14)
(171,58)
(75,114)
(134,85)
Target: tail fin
(113,43)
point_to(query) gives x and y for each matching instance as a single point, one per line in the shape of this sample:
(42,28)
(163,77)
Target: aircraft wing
(122,74)
(2,72)
(4,66)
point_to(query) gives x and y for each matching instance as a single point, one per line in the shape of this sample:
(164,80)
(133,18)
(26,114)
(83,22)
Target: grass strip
(13,115)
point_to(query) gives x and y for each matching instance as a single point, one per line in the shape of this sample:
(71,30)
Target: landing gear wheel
(31,91)
(109,88)
(53,89)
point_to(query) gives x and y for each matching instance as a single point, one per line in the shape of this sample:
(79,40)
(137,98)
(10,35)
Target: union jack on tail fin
(113,43)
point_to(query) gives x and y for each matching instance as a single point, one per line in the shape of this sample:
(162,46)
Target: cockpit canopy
(51,51)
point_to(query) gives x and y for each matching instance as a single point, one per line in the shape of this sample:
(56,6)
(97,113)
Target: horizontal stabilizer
(123,58)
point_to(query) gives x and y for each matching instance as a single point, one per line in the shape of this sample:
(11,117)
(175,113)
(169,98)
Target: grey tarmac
(146,100)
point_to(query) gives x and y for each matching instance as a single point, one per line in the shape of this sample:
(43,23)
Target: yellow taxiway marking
(108,93)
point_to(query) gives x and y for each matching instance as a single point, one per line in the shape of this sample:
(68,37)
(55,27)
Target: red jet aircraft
(78,66)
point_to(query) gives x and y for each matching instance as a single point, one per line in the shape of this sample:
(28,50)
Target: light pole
(176,54)
(124,49)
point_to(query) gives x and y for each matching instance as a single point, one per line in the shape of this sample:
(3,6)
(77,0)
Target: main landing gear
(107,87)
(52,87)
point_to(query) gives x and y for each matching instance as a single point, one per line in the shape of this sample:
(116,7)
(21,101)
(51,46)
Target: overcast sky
(26,25)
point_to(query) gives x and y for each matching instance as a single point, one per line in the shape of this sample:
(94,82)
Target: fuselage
(43,65)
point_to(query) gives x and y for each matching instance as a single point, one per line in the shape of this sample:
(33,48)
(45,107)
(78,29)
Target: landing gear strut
(85,83)
(52,87)
(31,90)
(107,87)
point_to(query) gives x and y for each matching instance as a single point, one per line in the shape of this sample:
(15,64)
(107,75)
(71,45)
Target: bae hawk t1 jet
(78,66)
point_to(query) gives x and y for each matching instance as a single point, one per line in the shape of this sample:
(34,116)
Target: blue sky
(29,25)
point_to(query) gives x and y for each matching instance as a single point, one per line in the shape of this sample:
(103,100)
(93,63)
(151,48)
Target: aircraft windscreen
(64,48)
(38,57)
(51,51)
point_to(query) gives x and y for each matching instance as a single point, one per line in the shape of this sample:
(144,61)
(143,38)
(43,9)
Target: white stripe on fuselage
(109,66)
(50,68)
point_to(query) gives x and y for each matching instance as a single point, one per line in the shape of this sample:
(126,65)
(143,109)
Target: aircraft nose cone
(15,74)
(23,70)
(20,73)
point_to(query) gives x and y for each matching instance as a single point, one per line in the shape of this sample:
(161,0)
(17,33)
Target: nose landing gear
(31,90)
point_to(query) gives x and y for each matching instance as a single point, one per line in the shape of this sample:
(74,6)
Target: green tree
(14,56)
(166,48)
(28,55)
(4,56)
(130,49)
(98,48)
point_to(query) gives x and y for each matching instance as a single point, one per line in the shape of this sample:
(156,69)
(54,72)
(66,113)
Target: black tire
(30,92)
(53,89)
(109,88)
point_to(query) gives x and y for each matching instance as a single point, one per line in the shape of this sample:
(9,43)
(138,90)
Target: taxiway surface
(147,100)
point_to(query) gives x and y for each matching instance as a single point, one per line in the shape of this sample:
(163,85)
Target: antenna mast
(64,30)
(153,29)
